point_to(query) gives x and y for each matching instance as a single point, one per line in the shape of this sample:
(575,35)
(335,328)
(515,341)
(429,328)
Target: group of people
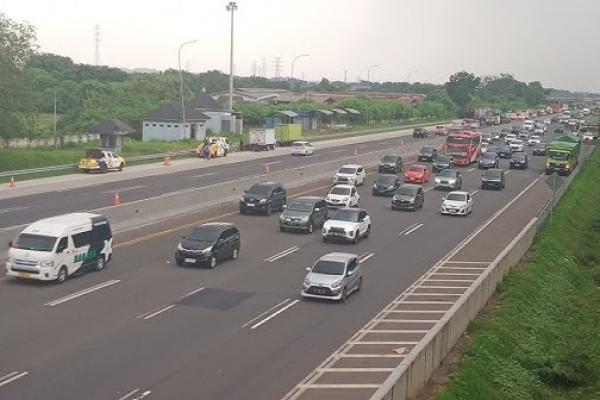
(214,148)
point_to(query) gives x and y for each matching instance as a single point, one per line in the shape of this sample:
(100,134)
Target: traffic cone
(11,183)
(117,200)
(167,162)
(266,169)
(355,151)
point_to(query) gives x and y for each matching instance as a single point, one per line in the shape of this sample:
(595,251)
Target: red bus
(463,146)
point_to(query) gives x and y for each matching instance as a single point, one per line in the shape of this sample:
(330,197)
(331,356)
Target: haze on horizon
(534,40)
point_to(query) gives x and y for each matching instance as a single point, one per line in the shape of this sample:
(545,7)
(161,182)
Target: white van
(57,247)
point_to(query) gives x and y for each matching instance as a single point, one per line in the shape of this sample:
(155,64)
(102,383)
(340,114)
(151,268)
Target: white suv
(342,196)
(347,224)
(352,174)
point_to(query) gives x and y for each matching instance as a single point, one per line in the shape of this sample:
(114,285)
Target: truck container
(288,133)
(262,139)
(562,155)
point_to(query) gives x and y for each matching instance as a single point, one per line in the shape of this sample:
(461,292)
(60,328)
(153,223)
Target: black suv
(303,214)
(428,153)
(209,244)
(488,160)
(442,162)
(390,164)
(420,133)
(263,197)
(493,178)
(519,160)
(408,197)
(386,185)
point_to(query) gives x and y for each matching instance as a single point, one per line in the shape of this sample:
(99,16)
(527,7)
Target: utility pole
(181,87)
(293,62)
(231,6)
(97,45)
(254,66)
(345,76)
(369,71)
(54,131)
(264,67)
(277,66)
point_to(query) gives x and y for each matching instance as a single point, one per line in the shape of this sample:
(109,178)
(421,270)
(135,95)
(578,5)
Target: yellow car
(101,160)
(219,147)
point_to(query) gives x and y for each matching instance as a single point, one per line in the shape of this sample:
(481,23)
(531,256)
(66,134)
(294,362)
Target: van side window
(81,239)
(62,245)
(352,264)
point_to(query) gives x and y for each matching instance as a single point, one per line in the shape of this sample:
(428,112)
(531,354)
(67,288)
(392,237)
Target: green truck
(562,155)
(288,133)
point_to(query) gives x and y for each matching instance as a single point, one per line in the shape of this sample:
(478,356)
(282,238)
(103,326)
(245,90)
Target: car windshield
(260,189)
(492,173)
(328,268)
(204,235)
(443,159)
(458,139)
(417,168)
(427,149)
(301,145)
(387,180)
(448,173)
(489,156)
(340,190)
(347,171)
(456,197)
(406,191)
(301,206)
(558,155)
(518,156)
(27,241)
(346,215)
(389,159)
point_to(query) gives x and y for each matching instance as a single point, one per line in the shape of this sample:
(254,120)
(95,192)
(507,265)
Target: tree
(535,94)
(17,44)
(324,86)
(461,87)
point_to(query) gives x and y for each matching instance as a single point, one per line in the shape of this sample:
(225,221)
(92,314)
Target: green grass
(543,340)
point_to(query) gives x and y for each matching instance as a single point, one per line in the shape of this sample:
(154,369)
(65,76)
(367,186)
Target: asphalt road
(145,328)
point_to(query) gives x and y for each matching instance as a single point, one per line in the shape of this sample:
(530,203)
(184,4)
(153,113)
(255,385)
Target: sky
(555,42)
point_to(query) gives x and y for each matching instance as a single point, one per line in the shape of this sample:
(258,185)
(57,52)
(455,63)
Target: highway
(145,328)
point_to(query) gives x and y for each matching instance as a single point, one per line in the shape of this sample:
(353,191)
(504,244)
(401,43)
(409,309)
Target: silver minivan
(333,277)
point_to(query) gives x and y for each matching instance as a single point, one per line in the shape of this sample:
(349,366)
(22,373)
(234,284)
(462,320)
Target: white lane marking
(282,254)
(13,377)
(427,189)
(411,230)
(266,312)
(365,258)
(129,394)
(338,151)
(355,369)
(11,209)
(82,292)
(474,192)
(542,175)
(367,355)
(340,386)
(154,314)
(125,189)
(203,175)
(273,162)
(145,394)
(193,292)
(468,262)
(8,375)
(276,313)
(471,169)
(508,172)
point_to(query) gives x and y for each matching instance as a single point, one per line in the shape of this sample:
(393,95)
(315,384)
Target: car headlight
(336,284)
(411,201)
(179,247)
(47,264)
(351,233)
(437,180)
(307,282)
(304,220)
(243,200)
(207,250)
(262,201)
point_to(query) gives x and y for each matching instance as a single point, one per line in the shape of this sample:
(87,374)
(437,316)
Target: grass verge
(542,341)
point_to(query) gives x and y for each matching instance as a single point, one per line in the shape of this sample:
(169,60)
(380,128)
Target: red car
(417,173)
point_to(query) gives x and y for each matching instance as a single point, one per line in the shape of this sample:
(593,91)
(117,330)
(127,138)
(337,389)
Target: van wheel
(359,286)
(356,237)
(100,263)
(63,274)
(121,167)
(368,232)
(235,254)
(212,263)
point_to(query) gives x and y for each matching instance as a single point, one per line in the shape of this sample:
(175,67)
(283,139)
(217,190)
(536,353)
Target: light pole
(293,62)
(369,71)
(232,6)
(181,86)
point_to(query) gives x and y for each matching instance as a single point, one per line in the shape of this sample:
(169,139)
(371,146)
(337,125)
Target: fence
(25,143)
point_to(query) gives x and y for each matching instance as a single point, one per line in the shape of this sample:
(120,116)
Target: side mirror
(350,273)
(307,269)
(59,250)
(443,198)
(10,243)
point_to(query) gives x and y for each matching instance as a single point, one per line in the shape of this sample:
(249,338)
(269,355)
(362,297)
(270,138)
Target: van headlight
(47,264)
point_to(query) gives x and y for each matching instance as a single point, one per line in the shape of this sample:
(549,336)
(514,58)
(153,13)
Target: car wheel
(100,263)
(212,263)
(242,211)
(360,283)
(269,211)
(121,167)
(235,254)
(325,239)
(344,295)
(310,227)
(62,276)
(356,237)
(282,229)
(368,232)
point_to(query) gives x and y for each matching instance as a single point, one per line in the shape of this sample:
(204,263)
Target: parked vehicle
(208,244)
(493,178)
(420,133)
(442,162)
(457,203)
(333,277)
(101,160)
(353,174)
(386,185)
(448,179)
(303,214)
(261,139)
(347,224)
(417,173)
(408,197)
(288,133)
(392,164)
(528,125)
(427,153)
(53,249)
(263,197)
(342,195)
(303,149)
(488,160)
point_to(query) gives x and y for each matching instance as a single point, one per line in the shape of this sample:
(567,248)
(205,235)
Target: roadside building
(111,132)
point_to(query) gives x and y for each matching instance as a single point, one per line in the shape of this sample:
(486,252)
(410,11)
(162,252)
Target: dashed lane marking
(276,313)
(13,376)
(282,254)
(82,292)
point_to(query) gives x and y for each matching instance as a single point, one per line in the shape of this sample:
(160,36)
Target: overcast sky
(555,42)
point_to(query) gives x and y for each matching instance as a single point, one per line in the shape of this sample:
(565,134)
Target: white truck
(262,139)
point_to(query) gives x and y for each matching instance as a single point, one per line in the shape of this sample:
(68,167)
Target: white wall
(161,130)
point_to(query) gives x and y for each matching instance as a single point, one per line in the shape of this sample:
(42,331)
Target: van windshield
(27,241)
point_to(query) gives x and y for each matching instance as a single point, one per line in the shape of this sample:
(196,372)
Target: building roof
(205,102)
(111,127)
(290,114)
(339,111)
(172,112)
(325,112)
(352,111)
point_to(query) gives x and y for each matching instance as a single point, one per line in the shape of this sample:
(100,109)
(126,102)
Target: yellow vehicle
(219,147)
(101,160)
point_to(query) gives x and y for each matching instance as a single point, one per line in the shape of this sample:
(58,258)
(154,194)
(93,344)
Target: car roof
(351,166)
(388,176)
(344,186)
(267,183)
(355,209)
(391,155)
(339,257)
(419,165)
(410,186)
(216,226)
(494,170)
(313,199)
(459,192)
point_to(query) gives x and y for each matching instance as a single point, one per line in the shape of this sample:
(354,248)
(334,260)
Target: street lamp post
(369,71)
(293,62)
(181,86)
(232,6)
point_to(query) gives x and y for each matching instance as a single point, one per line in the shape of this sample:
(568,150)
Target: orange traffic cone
(266,169)
(355,151)
(117,200)
(11,183)
(167,162)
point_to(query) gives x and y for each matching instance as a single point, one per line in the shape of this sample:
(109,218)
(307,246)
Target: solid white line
(409,228)
(14,378)
(474,192)
(341,386)
(265,312)
(355,369)
(448,280)
(422,302)
(382,343)
(444,287)
(467,262)
(282,254)
(394,330)
(408,321)
(416,311)
(154,314)
(454,273)
(11,209)
(146,393)
(8,375)
(365,258)
(412,229)
(126,189)
(203,175)
(82,293)
(356,355)
(192,293)
(471,169)
(338,151)
(276,313)
(129,394)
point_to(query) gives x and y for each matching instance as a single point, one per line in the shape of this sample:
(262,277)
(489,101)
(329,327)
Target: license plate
(250,205)
(24,275)
(190,260)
